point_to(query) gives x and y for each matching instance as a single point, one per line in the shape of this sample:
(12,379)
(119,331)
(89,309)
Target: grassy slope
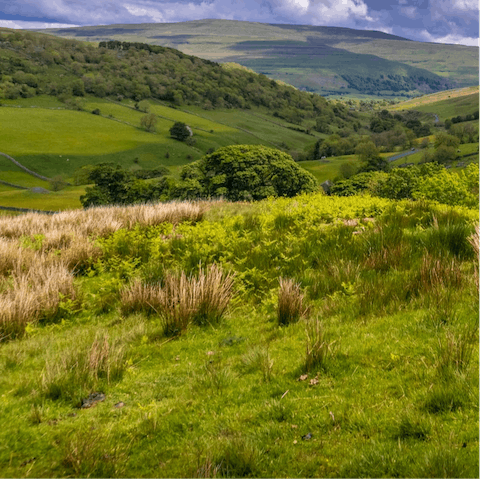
(388,401)
(52,141)
(445,104)
(264,47)
(43,139)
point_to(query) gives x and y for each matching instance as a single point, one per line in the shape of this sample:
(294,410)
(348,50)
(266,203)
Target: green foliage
(111,186)
(149,121)
(180,131)
(446,140)
(248,172)
(58,183)
(426,181)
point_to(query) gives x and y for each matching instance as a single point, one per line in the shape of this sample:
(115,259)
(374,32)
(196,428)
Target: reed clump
(318,345)
(76,370)
(181,300)
(291,302)
(33,295)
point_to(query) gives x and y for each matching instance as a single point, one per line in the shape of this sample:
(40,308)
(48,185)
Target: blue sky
(444,21)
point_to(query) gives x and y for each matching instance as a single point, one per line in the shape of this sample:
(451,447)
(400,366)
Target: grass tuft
(76,371)
(291,305)
(318,347)
(182,300)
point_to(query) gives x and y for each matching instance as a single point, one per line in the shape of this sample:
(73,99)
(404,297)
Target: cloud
(450,38)
(24,25)
(90,12)
(410,12)
(466,10)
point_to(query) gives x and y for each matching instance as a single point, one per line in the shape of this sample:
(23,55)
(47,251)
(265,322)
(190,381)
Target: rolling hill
(326,60)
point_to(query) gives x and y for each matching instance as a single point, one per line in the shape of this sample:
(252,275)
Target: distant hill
(325,60)
(33,64)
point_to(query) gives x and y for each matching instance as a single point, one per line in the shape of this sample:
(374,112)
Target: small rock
(307,437)
(119,405)
(302,377)
(39,190)
(92,400)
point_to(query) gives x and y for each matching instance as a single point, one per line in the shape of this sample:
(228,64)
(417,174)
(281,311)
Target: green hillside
(326,60)
(304,337)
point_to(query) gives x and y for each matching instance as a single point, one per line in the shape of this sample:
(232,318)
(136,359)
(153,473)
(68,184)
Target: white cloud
(22,25)
(450,38)
(463,9)
(338,12)
(410,12)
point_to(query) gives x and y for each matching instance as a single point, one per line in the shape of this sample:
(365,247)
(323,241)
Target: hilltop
(326,60)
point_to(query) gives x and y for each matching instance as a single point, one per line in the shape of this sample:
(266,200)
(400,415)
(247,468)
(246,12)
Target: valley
(215,274)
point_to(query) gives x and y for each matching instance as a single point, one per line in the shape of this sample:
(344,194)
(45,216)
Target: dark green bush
(249,172)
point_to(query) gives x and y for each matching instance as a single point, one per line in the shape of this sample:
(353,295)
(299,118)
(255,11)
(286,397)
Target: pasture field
(327,169)
(66,199)
(362,361)
(446,104)
(22,178)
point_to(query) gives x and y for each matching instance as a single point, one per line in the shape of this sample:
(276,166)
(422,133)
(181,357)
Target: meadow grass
(22,178)
(381,380)
(447,101)
(330,168)
(65,199)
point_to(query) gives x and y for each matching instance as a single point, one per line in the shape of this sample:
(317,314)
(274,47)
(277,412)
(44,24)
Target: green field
(447,108)
(53,141)
(67,199)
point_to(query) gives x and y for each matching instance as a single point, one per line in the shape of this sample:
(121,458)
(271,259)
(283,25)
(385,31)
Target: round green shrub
(250,172)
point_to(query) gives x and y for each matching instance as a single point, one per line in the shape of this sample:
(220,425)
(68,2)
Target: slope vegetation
(174,350)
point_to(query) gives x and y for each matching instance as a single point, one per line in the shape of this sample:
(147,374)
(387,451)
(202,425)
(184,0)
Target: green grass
(22,178)
(327,169)
(69,198)
(390,399)
(453,107)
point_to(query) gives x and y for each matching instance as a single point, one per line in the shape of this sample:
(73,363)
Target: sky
(441,21)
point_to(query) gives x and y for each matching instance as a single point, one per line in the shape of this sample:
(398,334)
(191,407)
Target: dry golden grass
(33,295)
(182,300)
(475,242)
(435,272)
(139,297)
(291,305)
(39,253)
(99,221)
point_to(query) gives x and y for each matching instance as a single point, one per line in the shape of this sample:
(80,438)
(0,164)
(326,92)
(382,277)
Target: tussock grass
(259,358)
(181,300)
(38,253)
(78,370)
(474,240)
(291,305)
(318,345)
(455,352)
(98,222)
(32,296)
